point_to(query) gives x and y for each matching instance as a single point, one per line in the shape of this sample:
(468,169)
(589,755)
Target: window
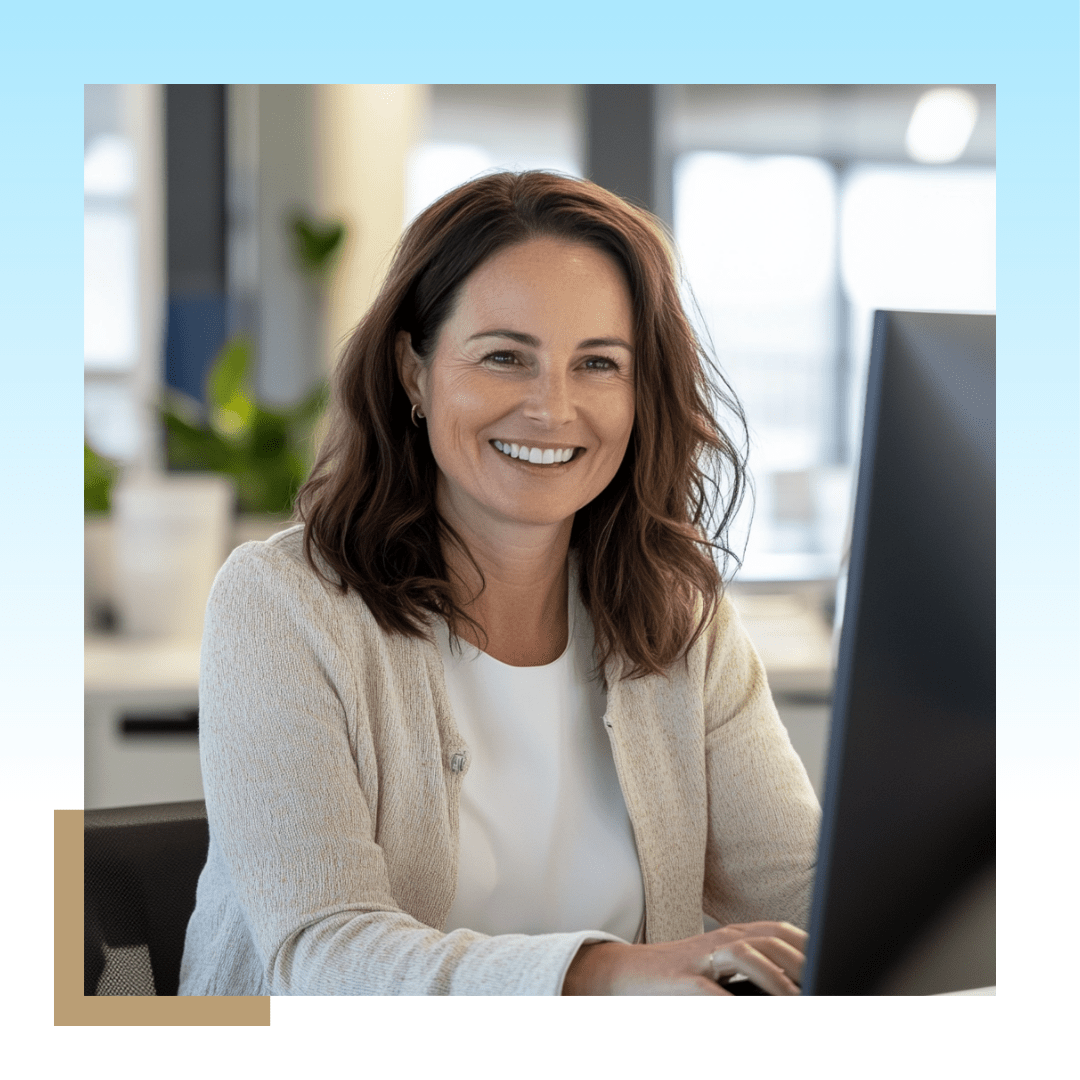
(110,283)
(914,239)
(787,259)
(758,240)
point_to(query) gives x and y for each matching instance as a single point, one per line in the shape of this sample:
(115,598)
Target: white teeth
(534,454)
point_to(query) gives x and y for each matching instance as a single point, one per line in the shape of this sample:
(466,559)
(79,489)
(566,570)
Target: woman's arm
(763,814)
(771,954)
(294,796)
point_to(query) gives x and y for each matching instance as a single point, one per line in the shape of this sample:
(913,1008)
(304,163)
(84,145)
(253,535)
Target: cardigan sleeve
(294,827)
(763,815)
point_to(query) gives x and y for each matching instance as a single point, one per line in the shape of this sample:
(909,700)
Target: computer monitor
(904,896)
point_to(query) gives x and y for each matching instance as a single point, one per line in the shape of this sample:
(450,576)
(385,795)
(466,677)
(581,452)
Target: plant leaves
(99,475)
(266,452)
(230,406)
(191,447)
(315,245)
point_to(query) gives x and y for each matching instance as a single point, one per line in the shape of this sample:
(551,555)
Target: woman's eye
(501,359)
(601,363)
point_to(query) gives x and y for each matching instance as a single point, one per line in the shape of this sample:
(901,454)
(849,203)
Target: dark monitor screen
(907,846)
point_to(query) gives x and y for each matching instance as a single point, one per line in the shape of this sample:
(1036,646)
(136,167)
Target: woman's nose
(550,400)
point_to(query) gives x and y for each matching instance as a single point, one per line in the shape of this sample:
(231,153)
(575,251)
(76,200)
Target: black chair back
(141,868)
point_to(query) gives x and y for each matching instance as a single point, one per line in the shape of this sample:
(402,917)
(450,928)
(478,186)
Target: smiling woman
(536,355)
(485,723)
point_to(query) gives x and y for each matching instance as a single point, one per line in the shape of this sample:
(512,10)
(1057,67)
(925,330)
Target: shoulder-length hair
(648,574)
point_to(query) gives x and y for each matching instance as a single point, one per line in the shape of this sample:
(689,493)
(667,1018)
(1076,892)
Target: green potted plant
(265,452)
(99,476)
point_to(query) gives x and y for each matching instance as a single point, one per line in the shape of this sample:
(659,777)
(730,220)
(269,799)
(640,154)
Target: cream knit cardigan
(332,767)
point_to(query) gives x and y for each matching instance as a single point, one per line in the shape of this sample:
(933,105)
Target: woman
(485,723)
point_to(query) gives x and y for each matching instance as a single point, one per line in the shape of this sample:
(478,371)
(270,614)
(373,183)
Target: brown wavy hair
(648,574)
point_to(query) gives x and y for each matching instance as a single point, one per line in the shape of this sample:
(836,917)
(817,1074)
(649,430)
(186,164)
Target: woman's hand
(771,954)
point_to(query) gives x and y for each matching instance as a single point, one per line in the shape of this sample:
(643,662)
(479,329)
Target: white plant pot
(170,540)
(99,574)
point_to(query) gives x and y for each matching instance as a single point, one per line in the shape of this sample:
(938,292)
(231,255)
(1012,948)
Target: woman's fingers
(795,937)
(769,953)
(786,957)
(743,958)
(779,944)
(791,937)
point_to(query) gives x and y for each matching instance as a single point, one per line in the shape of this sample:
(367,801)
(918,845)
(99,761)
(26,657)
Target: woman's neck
(523,606)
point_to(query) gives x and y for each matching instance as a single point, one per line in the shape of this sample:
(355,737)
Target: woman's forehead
(541,286)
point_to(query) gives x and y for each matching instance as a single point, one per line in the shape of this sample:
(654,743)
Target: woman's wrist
(591,970)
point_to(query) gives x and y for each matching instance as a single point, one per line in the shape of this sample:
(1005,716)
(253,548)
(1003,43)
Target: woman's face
(529,396)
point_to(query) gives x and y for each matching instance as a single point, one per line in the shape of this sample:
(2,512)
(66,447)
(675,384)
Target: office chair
(141,866)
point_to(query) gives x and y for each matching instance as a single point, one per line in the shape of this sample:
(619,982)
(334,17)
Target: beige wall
(364,135)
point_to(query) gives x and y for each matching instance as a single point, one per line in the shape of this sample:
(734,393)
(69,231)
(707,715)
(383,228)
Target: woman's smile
(529,393)
(536,455)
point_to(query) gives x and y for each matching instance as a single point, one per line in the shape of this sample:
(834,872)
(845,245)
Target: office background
(797,210)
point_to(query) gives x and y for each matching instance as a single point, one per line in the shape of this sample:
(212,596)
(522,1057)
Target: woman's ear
(408,365)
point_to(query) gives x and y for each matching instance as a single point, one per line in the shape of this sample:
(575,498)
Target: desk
(787,625)
(788,628)
(128,676)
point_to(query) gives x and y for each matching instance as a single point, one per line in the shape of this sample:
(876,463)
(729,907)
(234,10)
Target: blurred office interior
(266,215)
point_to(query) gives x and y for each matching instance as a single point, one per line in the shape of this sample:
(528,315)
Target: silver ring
(415,413)
(712,966)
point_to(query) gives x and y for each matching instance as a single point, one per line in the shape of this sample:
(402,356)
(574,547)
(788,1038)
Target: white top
(546,841)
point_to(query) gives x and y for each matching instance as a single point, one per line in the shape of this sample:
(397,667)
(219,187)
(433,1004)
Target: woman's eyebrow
(534,342)
(513,335)
(601,342)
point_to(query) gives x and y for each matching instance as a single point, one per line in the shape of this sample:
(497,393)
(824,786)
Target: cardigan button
(457,763)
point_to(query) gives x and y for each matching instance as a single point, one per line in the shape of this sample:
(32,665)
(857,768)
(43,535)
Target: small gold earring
(415,413)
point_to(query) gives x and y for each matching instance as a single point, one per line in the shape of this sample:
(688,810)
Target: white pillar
(144,124)
(364,134)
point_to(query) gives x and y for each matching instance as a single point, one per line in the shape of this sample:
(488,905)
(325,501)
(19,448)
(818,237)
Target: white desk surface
(791,637)
(113,664)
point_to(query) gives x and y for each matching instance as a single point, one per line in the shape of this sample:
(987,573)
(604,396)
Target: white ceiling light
(941,125)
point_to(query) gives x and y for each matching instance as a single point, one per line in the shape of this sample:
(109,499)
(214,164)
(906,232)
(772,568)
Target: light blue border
(1029,51)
